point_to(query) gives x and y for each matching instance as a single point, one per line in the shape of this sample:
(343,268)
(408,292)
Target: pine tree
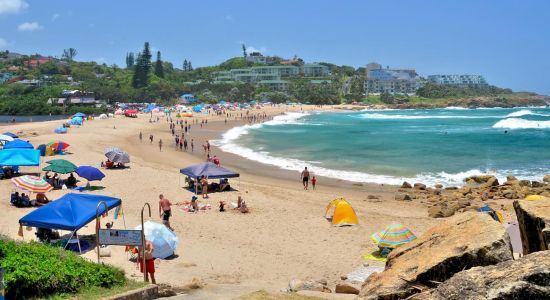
(159,69)
(244,51)
(189,66)
(185,65)
(130,60)
(142,68)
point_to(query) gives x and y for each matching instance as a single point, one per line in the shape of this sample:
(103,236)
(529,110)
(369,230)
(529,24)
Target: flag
(118,211)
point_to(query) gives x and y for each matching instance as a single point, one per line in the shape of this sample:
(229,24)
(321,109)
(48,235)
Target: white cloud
(251,49)
(55,17)
(3,43)
(29,26)
(12,6)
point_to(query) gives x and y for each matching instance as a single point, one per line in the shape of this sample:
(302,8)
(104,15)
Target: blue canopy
(208,169)
(18,144)
(60,130)
(79,114)
(13,135)
(70,212)
(19,157)
(197,108)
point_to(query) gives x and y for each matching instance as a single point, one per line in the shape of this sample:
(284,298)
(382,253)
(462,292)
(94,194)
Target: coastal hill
(29,84)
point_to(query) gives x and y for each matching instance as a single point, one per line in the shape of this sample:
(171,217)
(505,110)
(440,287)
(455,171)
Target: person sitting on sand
(194,204)
(41,199)
(244,209)
(25,200)
(71,181)
(224,184)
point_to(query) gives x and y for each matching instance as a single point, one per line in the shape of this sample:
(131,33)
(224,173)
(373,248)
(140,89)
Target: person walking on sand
(149,261)
(313,181)
(192,145)
(165,211)
(160,145)
(140,136)
(150,139)
(305,178)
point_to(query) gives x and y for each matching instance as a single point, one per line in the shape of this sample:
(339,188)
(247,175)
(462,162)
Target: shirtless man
(165,211)
(305,178)
(149,261)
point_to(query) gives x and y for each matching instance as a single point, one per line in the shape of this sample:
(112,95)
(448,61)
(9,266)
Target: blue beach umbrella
(80,115)
(76,121)
(18,144)
(197,108)
(89,173)
(13,135)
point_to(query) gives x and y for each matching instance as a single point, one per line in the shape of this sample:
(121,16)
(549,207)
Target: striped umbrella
(58,146)
(392,236)
(32,184)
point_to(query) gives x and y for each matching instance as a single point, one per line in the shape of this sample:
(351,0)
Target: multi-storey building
(393,81)
(458,80)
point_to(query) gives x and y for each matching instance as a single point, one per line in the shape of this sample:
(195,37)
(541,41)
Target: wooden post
(97,224)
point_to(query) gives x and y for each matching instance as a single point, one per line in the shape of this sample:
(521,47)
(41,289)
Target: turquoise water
(389,146)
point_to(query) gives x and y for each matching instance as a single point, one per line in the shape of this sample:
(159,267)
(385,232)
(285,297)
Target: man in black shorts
(165,211)
(305,178)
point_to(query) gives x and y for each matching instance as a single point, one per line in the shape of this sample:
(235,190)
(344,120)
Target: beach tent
(494,214)
(392,236)
(76,121)
(340,213)
(18,144)
(80,115)
(103,116)
(70,212)
(19,157)
(164,240)
(60,130)
(197,108)
(209,170)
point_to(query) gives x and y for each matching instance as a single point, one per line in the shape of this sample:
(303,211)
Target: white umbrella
(164,240)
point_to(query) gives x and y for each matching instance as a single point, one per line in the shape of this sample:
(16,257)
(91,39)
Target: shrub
(36,270)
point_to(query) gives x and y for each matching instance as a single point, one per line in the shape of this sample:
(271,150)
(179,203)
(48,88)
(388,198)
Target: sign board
(121,237)
(1,284)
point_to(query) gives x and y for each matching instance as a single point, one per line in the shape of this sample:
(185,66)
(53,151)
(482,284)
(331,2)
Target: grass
(263,295)
(98,292)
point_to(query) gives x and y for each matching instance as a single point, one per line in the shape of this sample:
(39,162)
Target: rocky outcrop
(546,179)
(534,224)
(461,242)
(525,278)
(406,185)
(345,287)
(442,210)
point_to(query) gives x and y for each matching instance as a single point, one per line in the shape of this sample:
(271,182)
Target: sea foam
(517,123)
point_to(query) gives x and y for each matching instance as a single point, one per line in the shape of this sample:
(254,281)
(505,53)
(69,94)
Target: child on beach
(313,182)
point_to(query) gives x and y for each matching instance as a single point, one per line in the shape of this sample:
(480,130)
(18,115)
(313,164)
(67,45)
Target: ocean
(391,146)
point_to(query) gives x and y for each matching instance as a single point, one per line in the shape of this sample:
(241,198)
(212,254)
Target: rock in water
(461,242)
(534,224)
(525,278)
(419,186)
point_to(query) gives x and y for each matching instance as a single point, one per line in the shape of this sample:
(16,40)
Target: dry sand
(284,237)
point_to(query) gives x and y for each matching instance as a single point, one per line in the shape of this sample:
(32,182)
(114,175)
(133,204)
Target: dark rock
(525,278)
(536,184)
(534,219)
(461,242)
(451,188)
(511,178)
(438,186)
(345,287)
(546,179)
(372,197)
(402,197)
(419,186)
(525,183)
(510,194)
(406,185)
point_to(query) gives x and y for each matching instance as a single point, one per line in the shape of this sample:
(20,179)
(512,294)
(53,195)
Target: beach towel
(362,273)
(372,256)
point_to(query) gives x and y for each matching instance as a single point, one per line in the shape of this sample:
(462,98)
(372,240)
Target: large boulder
(442,210)
(406,185)
(482,179)
(534,224)
(546,178)
(525,278)
(461,242)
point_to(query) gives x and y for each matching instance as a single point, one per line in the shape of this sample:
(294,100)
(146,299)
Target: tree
(244,51)
(357,89)
(69,54)
(185,65)
(189,66)
(387,98)
(159,69)
(130,61)
(142,68)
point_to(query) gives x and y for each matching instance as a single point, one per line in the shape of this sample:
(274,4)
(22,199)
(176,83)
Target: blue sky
(506,41)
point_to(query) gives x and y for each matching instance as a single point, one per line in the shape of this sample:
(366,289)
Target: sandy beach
(284,237)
